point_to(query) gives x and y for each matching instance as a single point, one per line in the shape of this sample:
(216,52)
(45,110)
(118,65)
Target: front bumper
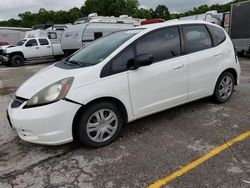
(50,124)
(3,59)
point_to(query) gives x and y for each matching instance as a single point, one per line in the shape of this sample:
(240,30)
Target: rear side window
(32,42)
(43,42)
(198,38)
(218,34)
(162,44)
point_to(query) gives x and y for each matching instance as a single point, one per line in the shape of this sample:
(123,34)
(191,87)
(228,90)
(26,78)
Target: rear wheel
(224,87)
(17,60)
(99,124)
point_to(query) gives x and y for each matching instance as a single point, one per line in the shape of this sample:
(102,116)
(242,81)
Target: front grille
(17,101)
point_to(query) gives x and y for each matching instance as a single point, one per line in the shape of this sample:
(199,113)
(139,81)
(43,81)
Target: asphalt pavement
(147,150)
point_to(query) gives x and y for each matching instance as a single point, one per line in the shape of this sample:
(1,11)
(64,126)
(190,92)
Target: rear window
(43,42)
(218,34)
(198,38)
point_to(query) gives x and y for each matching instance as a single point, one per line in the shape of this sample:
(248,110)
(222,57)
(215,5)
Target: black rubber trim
(39,105)
(8,118)
(69,100)
(88,40)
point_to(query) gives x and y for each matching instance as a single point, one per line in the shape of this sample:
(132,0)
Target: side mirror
(140,61)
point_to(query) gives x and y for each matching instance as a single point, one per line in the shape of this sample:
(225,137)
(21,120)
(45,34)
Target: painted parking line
(161,182)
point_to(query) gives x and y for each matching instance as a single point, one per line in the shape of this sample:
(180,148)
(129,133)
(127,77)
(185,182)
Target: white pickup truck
(31,49)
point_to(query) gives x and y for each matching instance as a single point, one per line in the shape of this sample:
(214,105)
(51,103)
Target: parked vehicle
(3,45)
(32,49)
(210,16)
(50,26)
(239,29)
(51,33)
(12,34)
(88,29)
(123,77)
(152,21)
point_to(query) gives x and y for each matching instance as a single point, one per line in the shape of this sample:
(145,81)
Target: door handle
(216,55)
(178,67)
(37,47)
(48,46)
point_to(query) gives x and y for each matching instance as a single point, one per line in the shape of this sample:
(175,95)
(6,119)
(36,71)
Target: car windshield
(100,49)
(21,42)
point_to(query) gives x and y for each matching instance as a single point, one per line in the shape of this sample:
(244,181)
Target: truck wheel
(17,61)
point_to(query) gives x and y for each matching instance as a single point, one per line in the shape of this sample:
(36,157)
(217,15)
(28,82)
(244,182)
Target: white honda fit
(122,77)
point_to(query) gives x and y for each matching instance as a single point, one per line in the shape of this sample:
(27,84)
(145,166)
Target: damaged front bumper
(3,59)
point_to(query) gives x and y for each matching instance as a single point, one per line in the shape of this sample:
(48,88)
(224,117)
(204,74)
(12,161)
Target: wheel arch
(16,53)
(233,72)
(113,100)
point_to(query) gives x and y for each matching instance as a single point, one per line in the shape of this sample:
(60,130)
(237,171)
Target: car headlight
(51,94)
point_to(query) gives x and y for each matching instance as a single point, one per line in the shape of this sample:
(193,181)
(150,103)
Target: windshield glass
(21,42)
(100,49)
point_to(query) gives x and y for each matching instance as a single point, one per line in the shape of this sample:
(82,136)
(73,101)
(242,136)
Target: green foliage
(106,8)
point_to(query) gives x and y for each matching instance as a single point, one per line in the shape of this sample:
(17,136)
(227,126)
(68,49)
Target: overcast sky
(11,8)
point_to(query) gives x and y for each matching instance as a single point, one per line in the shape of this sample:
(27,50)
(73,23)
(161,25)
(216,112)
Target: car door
(201,60)
(31,49)
(45,47)
(162,84)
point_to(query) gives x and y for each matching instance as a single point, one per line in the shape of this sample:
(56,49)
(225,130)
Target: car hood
(52,74)
(10,49)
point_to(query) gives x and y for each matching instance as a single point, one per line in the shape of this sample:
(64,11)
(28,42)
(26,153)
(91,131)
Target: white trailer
(54,33)
(239,29)
(88,29)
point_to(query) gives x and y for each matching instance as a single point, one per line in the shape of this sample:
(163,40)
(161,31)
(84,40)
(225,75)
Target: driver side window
(31,42)
(162,44)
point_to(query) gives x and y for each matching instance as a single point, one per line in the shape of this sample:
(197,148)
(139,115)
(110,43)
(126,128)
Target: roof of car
(172,23)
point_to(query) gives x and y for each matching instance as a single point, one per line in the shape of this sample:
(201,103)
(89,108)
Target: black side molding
(69,100)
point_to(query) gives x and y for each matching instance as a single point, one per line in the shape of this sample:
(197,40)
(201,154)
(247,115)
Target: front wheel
(99,124)
(16,61)
(224,87)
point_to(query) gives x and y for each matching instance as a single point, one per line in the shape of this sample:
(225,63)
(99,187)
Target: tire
(97,133)
(17,61)
(224,88)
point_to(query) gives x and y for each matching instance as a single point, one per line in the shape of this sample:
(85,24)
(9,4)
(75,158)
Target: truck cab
(32,49)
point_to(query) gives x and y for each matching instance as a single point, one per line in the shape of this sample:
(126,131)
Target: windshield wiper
(72,62)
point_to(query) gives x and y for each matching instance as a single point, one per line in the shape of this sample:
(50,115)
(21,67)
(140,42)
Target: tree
(111,7)
(143,13)
(162,11)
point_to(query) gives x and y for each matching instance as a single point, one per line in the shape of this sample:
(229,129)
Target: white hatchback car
(122,77)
